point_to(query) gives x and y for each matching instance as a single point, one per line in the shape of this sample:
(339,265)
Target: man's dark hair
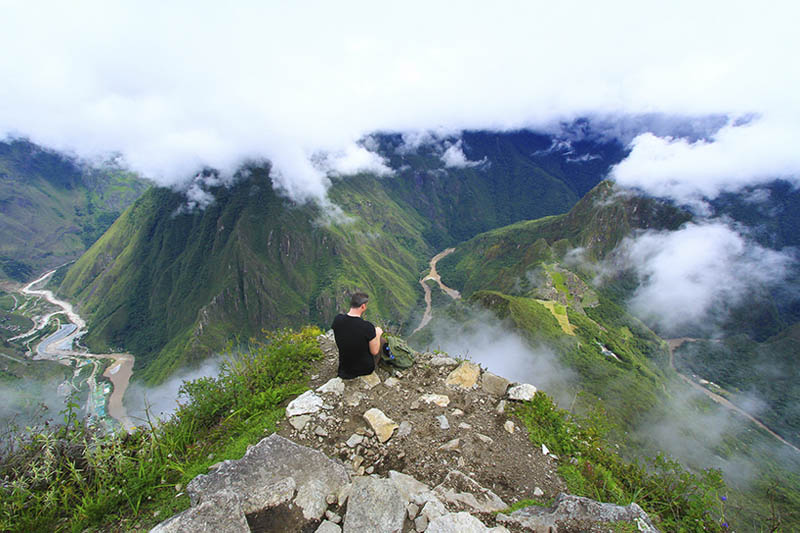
(358,299)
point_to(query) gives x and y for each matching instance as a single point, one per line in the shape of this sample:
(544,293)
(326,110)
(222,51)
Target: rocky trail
(434,448)
(434,275)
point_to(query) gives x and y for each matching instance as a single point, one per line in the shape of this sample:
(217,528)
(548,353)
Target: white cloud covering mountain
(181,85)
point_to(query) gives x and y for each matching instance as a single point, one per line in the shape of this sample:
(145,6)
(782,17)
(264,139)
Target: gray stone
(328,527)
(509,426)
(433,509)
(405,429)
(459,523)
(354,440)
(220,513)
(443,361)
(484,438)
(443,423)
(370,381)
(333,386)
(306,403)
(320,431)
(545,450)
(501,407)
(464,492)
(569,511)
(267,464)
(374,505)
(299,422)
(391,382)
(522,393)
(410,489)
(333,517)
(354,399)
(421,523)
(464,425)
(538,492)
(494,384)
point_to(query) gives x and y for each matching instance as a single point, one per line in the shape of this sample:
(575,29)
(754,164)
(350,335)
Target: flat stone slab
(442,361)
(570,510)
(370,380)
(522,393)
(461,523)
(268,465)
(382,425)
(463,491)
(465,376)
(333,386)
(374,505)
(221,513)
(307,403)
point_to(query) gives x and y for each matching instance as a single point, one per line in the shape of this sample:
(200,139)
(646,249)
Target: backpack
(397,353)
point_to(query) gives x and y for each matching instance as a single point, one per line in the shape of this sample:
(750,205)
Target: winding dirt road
(452,293)
(673,345)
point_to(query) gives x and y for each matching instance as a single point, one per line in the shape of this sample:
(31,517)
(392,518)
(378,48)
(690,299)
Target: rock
(443,423)
(509,426)
(353,399)
(465,376)
(538,492)
(320,431)
(450,445)
(545,451)
(374,505)
(328,527)
(354,440)
(460,523)
(433,509)
(306,403)
(410,489)
(464,425)
(573,511)
(274,463)
(443,361)
(333,517)
(344,494)
(501,407)
(381,424)
(494,384)
(413,510)
(391,382)
(333,386)
(421,523)
(463,491)
(370,381)
(438,399)
(457,412)
(330,499)
(522,393)
(485,439)
(219,513)
(405,429)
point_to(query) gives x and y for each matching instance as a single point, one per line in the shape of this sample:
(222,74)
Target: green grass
(679,500)
(69,478)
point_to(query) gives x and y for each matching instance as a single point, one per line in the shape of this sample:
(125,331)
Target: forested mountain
(172,284)
(53,208)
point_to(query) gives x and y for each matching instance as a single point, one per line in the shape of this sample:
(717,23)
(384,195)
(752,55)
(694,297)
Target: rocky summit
(424,449)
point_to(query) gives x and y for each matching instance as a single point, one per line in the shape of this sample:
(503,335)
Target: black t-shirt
(353,334)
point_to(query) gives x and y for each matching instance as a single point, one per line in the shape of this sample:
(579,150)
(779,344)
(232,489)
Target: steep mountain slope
(52,209)
(167,281)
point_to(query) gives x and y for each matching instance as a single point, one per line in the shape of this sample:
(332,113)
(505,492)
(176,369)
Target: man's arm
(375,344)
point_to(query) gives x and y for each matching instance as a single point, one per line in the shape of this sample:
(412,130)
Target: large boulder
(577,513)
(375,505)
(220,513)
(275,468)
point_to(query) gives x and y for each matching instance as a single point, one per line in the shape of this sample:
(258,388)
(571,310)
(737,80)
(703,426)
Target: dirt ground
(507,463)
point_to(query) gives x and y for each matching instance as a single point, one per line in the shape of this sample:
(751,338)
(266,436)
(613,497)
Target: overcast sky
(177,85)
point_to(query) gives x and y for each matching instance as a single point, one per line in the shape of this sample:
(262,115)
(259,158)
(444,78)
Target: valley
(101,400)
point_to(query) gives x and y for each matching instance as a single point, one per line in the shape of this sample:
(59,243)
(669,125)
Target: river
(61,347)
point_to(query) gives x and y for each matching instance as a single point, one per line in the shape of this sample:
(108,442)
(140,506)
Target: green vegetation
(52,208)
(677,499)
(71,478)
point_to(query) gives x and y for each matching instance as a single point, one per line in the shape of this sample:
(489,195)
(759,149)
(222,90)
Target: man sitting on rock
(358,340)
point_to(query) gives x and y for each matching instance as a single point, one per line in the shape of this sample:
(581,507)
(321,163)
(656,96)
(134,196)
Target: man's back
(352,335)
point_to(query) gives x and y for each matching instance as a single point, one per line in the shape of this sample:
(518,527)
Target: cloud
(184,86)
(454,157)
(699,269)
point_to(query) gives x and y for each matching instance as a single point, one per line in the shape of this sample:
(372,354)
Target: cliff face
(434,448)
